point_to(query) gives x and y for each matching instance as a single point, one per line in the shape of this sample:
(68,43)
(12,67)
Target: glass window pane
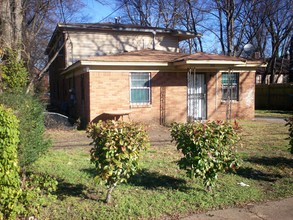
(231,78)
(139,79)
(230,85)
(139,95)
(140,88)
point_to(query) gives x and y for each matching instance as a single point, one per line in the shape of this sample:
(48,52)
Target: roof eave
(211,62)
(122,63)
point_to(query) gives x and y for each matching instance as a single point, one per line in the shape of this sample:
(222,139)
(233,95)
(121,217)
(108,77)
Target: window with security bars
(230,86)
(140,88)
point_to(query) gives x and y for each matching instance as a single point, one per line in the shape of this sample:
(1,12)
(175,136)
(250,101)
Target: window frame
(132,87)
(233,85)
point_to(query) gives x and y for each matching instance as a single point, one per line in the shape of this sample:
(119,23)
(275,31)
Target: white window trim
(140,104)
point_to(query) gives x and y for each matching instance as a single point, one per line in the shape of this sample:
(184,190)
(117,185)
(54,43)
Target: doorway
(197,96)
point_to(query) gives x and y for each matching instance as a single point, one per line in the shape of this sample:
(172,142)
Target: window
(140,88)
(230,86)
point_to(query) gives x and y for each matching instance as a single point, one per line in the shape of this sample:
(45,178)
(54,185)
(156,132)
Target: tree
(291,60)
(164,13)
(26,27)
(11,18)
(279,24)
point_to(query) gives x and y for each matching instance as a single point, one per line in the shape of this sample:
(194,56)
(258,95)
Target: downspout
(154,38)
(216,101)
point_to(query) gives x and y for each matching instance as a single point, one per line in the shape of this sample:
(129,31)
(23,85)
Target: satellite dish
(248,49)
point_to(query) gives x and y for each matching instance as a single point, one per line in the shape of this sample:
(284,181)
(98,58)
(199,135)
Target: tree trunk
(17,29)
(5,24)
(109,194)
(42,73)
(291,64)
(230,26)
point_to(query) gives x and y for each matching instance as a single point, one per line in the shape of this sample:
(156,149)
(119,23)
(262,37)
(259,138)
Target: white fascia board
(224,62)
(126,63)
(251,65)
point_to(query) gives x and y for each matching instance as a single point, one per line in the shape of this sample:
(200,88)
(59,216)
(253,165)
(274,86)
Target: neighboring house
(281,75)
(110,69)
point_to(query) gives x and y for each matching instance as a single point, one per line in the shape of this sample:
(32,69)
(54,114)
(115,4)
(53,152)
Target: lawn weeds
(160,189)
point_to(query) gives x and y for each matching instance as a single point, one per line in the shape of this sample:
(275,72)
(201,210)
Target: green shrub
(29,111)
(10,190)
(290,129)
(14,75)
(116,151)
(36,194)
(208,148)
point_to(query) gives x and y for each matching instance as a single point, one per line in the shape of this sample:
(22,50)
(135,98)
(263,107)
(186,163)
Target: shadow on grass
(77,190)
(67,189)
(150,180)
(90,171)
(153,180)
(251,173)
(272,161)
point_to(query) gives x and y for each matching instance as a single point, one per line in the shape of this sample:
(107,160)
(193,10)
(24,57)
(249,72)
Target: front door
(197,101)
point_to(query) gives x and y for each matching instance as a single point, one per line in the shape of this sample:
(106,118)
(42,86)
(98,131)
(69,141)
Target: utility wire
(112,12)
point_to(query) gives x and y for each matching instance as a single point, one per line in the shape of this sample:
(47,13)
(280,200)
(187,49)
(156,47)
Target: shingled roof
(149,55)
(146,55)
(164,59)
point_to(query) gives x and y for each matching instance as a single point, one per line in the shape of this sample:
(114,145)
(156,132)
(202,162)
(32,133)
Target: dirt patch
(159,135)
(68,138)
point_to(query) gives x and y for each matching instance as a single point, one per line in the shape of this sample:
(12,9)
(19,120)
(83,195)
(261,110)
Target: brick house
(110,70)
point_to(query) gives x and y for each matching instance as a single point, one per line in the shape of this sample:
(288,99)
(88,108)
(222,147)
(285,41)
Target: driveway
(273,210)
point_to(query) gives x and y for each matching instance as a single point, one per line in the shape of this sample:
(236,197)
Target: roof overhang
(163,61)
(109,66)
(124,63)
(210,62)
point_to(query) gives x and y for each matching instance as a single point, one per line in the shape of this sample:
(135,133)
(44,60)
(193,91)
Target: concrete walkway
(271,119)
(274,210)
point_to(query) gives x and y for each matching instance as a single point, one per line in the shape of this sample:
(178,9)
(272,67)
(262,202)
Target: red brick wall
(109,91)
(244,108)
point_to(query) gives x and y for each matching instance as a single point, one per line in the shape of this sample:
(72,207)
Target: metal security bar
(196,96)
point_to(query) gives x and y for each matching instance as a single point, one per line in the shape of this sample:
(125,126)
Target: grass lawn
(160,189)
(273,113)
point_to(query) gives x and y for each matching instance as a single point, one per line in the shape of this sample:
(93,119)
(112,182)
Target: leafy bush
(29,111)
(10,190)
(290,129)
(116,151)
(208,148)
(14,75)
(36,194)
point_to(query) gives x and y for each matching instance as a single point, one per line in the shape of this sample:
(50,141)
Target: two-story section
(74,42)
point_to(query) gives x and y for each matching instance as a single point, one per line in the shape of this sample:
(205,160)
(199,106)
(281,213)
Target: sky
(97,11)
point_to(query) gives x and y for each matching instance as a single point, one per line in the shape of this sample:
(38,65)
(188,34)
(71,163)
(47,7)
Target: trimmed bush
(29,111)
(10,190)
(208,148)
(116,151)
(289,123)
